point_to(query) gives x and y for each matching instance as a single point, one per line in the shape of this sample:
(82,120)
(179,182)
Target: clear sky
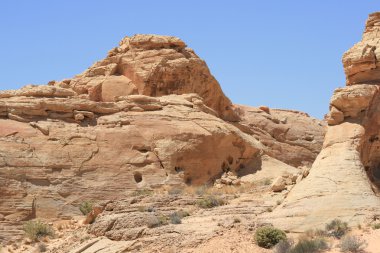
(284,54)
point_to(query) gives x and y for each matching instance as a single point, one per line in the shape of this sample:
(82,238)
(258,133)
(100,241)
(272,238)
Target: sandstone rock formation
(292,137)
(344,180)
(151,65)
(148,116)
(57,152)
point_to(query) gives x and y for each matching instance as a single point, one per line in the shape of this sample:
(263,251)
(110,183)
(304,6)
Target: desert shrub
(156,221)
(86,207)
(313,233)
(210,202)
(201,190)
(237,220)
(175,218)
(37,229)
(149,209)
(267,181)
(142,192)
(310,245)
(284,246)
(267,237)
(376,226)
(337,228)
(175,191)
(352,244)
(42,247)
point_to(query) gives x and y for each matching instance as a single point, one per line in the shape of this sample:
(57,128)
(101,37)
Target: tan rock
(334,117)
(43,176)
(279,184)
(155,66)
(115,86)
(354,99)
(344,180)
(296,139)
(360,62)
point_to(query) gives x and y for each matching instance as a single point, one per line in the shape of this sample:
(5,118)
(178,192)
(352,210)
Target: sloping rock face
(148,115)
(361,63)
(292,137)
(95,137)
(151,65)
(344,180)
(58,151)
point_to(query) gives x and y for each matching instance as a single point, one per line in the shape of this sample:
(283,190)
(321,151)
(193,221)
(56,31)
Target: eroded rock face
(292,137)
(133,121)
(155,66)
(57,152)
(361,63)
(344,180)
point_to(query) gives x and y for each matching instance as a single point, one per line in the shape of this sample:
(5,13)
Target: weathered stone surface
(352,100)
(289,136)
(154,66)
(344,180)
(361,63)
(148,116)
(51,159)
(279,184)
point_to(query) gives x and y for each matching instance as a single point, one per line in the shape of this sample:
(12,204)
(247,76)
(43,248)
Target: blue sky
(284,54)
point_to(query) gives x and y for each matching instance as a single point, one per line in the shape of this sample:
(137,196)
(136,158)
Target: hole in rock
(138,177)
(376,173)
(225,167)
(188,181)
(178,169)
(230,159)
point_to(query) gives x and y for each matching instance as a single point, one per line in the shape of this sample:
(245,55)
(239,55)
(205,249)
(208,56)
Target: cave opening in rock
(138,177)
(375,174)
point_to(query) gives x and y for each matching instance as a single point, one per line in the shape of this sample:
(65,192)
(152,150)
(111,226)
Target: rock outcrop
(292,137)
(147,116)
(57,152)
(344,180)
(130,121)
(154,66)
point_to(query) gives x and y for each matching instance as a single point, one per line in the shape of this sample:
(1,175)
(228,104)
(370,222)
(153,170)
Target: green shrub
(352,244)
(376,226)
(267,237)
(86,207)
(210,202)
(37,229)
(284,246)
(337,228)
(310,246)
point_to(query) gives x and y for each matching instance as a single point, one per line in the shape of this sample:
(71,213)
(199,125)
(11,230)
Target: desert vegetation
(351,243)
(86,207)
(36,229)
(268,236)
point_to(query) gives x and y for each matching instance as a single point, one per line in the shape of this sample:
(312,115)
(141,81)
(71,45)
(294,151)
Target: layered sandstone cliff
(344,180)
(149,115)
(292,137)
